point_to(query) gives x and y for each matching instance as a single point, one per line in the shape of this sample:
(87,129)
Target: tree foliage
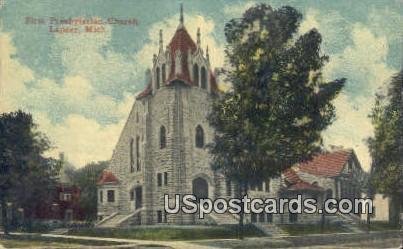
(26,175)
(279,103)
(386,144)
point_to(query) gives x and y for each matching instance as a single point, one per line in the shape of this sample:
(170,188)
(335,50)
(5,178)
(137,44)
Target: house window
(163,73)
(101,196)
(293,218)
(132,195)
(65,196)
(159,216)
(269,217)
(253,186)
(203,78)
(131,155)
(158,77)
(199,137)
(111,195)
(268,185)
(137,117)
(163,138)
(261,217)
(138,153)
(228,187)
(165,178)
(196,74)
(159,179)
(260,186)
(253,217)
(350,166)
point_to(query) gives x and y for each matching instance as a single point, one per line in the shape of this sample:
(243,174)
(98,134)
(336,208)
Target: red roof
(291,176)
(301,185)
(327,164)
(107,177)
(147,91)
(182,42)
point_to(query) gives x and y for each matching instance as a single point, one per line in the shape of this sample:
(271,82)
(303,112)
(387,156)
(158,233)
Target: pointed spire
(198,37)
(181,15)
(161,41)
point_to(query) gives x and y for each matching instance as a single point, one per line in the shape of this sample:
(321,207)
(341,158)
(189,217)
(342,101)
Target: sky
(80,87)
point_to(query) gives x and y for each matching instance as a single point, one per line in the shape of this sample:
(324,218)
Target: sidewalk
(306,241)
(171,244)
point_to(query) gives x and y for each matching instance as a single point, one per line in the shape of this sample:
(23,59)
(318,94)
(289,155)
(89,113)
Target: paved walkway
(172,244)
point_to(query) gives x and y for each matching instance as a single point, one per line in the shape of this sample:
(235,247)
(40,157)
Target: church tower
(162,147)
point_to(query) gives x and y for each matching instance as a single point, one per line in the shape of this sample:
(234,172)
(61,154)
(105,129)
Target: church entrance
(200,188)
(139,197)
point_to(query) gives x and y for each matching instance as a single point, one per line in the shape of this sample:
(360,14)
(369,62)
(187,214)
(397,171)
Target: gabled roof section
(291,176)
(328,164)
(183,43)
(107,177)
(147,91)
(301,185)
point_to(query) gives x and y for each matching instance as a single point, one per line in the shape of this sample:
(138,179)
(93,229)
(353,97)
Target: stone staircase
(118,220)
(270,229)
(349,222)
(224,219)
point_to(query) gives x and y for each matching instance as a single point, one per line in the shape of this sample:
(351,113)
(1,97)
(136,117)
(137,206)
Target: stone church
(161,150)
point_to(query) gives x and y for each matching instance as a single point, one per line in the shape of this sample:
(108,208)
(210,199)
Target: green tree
(386,145)
(26,176)
(86,179)
(278,105)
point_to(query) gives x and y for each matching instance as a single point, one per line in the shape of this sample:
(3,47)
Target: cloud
(82,140)
(364,65)
(79,132)
(90,56)
(237,10)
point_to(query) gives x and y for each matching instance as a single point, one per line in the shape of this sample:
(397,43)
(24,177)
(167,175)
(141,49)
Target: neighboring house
(381,208)
(65,197)
(65,205)
(333,174)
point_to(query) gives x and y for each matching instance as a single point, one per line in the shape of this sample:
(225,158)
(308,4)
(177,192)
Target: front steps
(120,220)
(270,229)
(224,219)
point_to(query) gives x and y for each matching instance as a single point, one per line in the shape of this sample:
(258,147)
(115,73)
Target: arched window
(164,76)
(158,77)
(196,74)
(131,155)
(138,153)
(203,78)
(199,137)
(163,139)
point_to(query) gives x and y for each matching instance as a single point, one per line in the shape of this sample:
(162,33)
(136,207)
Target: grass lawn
(13,241)
(296,230)
(168,233)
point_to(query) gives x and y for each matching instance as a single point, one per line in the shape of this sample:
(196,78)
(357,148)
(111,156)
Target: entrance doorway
(200,188)
(139,197)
